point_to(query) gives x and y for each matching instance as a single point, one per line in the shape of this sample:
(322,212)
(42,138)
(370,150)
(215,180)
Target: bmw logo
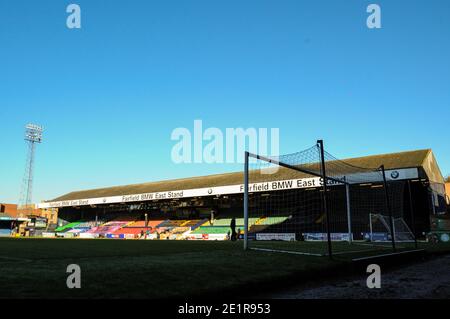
(210,191)
(395,174)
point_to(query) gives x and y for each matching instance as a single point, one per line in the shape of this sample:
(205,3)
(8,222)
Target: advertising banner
(377,236)
(276,236)
(88,235)
(48,235)
(324,236)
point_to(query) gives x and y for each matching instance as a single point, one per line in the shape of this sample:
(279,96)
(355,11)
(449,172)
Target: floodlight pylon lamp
(33,133)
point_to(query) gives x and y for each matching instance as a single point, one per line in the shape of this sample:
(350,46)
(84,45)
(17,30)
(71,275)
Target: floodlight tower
(33,135)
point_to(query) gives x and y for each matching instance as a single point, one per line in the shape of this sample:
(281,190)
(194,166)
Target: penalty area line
(374,245)
(15,259)
(391,254)
(287,252)
(352,251)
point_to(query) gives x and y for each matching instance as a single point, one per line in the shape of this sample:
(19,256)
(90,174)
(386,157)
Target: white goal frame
(386,225)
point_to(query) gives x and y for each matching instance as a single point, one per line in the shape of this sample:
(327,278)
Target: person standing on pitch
(233,229)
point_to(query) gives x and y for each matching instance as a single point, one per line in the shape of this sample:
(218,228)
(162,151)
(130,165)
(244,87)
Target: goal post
(388,205)
(349,213)
(325,197)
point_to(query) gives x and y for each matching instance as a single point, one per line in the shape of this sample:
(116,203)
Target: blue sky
(110,94)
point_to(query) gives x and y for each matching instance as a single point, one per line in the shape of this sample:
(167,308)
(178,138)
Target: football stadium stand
(212,230)
(137,228)
(173,223)
(202,203)
(193,224)
(174,229)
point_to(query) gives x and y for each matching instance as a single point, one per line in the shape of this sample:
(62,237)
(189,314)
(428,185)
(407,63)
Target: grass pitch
(36,268)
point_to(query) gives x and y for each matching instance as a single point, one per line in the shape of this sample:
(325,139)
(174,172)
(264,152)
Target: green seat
(212,230)
(67,226)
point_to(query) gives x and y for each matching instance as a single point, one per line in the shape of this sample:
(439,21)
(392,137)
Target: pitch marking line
(352,251)
(287,251)
(15,258)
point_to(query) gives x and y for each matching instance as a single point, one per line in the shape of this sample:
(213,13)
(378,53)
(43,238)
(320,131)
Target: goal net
(380,229)
(289,208)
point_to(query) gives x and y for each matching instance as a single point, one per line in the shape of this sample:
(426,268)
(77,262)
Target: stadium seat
(67,226)
(212,230)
